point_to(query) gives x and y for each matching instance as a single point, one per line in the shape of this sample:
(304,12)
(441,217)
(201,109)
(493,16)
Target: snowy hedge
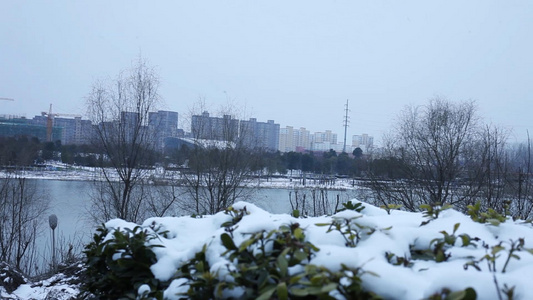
(362,252)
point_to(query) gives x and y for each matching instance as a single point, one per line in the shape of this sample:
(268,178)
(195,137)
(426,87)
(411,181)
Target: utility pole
(345,124)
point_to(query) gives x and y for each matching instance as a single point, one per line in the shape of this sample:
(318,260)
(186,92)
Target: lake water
(70,200)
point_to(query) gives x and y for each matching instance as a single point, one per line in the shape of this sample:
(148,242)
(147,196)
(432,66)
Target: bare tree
(120,114)
(22,218)
(489,173)
(520,179)
(220,165)
(432,147)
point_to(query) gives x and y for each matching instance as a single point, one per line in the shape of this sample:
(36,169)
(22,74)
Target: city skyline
(296,63)
(73,129)
(181,124)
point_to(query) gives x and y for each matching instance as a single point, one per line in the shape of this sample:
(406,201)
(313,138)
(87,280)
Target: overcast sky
(296,62)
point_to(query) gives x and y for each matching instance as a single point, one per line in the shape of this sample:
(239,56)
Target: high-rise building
(323,141)
(363,141)
(163,124)
(213,128)
(129,123)
(286,139)
(264,135)
(300,140)
(253,134)
(75,131)
(303,139)
(291,139)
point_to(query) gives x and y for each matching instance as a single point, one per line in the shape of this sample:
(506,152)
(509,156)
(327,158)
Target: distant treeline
(26,151)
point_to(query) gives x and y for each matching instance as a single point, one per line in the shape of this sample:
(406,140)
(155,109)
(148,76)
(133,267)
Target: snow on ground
(61,171)
(62,286)
(397,233)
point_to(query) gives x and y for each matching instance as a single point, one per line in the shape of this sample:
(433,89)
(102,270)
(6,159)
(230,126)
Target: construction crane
(50,121)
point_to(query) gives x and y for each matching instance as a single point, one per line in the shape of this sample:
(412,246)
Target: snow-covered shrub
(270,265)
(10,278)
(118,264)
(248,253)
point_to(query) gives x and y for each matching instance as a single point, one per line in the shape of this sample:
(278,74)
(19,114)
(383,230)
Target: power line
(345,124)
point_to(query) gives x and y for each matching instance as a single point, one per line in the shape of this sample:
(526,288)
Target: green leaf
(425,207)
(296,278)
(263,277)
(282,265)
(467,294)
(296,213)
(314,290)
(466,239)
(494,222)
(329,287)
(227,241)
(282,291)
(497,249)
(266,293)
(456,226)
(470,294)
(246,244)
(299,292)
(440,257)
(301,256)
(299,233)
(322,224)
(450,239)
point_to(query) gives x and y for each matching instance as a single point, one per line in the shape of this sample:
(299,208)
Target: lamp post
(52,220)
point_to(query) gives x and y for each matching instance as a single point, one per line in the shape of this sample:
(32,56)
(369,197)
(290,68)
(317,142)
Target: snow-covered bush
(359,253)
(118,264)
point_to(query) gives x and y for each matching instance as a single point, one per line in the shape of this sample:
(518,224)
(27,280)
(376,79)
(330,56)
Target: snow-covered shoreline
(70,173)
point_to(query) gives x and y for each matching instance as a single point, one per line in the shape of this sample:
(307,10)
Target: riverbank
(64,172)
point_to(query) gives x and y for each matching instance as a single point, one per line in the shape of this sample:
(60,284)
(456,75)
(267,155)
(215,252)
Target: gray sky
(292,61)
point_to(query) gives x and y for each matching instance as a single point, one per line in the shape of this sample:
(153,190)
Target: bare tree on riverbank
(120,111)
(22,218)
(430,148)
(220,165)
(440,154)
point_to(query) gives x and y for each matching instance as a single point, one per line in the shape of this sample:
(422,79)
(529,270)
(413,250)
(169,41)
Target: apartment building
(263,135)
(206,127)
(323,141)
(74,130)
(363,141)
(163,124)
(291,139)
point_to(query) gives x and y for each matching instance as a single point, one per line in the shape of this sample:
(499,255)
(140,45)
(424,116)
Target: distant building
(323,141)
(291,139)
(213,128)
(260,134)
(19,126)
(303,139)
(163,124)
(286,139)
(363,141)
(74,131)
(253,134)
